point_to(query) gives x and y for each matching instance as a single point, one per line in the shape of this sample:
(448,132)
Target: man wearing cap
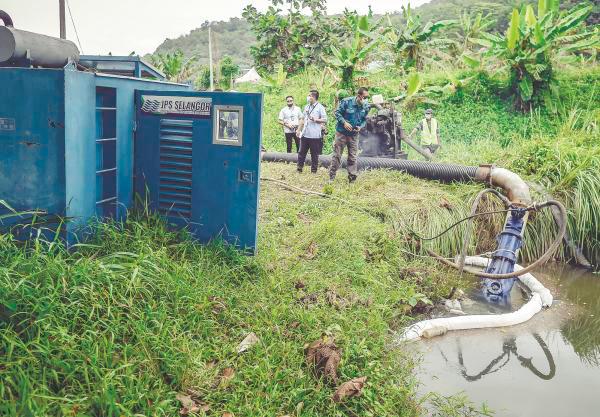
(351,116)
(430,133)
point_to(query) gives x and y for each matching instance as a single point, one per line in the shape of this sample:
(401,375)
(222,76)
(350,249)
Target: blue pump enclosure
(68,143)
(197,161)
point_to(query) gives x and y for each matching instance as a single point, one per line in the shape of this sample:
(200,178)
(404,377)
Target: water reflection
(582,331)
(509,347)
(548,366)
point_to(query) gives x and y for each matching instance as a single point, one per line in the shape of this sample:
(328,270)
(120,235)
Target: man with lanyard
(430,133)
(309,131)
(351,116)
(289,118)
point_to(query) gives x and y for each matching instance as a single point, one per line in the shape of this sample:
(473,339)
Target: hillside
(234,37)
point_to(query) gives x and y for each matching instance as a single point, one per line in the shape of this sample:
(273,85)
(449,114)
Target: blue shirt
(352,112)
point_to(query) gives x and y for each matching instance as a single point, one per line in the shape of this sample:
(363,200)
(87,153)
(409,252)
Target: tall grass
(120,325)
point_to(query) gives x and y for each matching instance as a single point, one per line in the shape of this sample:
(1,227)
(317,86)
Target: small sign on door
(179,106)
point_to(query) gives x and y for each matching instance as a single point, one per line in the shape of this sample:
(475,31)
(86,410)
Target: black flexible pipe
(425,170)
(6,19)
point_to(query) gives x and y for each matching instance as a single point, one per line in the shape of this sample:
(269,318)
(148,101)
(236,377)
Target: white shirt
(292,116)
(312,130)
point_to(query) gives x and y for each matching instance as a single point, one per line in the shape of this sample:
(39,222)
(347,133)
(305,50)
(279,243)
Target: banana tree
(533,43)
(471,26)
(409,42)
(349,58)
(175,67)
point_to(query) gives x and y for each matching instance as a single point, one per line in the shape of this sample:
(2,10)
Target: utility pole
(210,62)
(61,14)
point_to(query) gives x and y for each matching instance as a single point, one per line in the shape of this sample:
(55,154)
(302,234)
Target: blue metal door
(197,160)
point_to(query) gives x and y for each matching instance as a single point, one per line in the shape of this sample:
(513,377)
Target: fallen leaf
(227,414)
(352,388)
(228,373)
(445,204)
(294,325)
(248,341)
(324,357)
(190,405)
(311,251)
(226,376)
(299,285)
(304,218)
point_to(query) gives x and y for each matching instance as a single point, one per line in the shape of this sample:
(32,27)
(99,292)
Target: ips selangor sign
(176,105)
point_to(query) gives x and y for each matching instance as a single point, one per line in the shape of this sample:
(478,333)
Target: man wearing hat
(430,132)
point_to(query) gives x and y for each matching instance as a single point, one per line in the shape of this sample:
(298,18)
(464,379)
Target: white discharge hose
(540,297)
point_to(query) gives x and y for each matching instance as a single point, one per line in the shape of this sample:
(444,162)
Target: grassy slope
(478,125)
(120,326)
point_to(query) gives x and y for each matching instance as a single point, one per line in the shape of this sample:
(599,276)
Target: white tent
(250,77)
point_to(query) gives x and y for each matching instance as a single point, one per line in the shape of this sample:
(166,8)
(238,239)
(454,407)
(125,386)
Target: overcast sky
(123,26)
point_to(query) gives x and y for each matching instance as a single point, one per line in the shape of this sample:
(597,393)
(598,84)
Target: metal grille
(175,187)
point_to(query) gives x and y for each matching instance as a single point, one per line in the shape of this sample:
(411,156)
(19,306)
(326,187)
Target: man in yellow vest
(430,133)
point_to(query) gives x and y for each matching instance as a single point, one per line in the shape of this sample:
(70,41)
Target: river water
(549,366)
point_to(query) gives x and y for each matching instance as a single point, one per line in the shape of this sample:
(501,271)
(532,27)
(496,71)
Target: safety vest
(429,137)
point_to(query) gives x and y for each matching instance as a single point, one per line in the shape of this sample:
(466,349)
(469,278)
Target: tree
(409,41)
(533,43)
(175,67)
(202,81)
(228,71)
(351,55)
(472,26)
(295,40)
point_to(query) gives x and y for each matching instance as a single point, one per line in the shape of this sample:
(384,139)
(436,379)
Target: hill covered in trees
(234,37)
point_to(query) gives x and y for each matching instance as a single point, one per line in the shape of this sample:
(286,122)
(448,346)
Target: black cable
(464,220)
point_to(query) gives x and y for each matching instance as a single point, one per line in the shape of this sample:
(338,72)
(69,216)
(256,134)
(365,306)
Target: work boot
(351,178)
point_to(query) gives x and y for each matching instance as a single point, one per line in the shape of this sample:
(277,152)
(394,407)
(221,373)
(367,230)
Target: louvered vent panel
(175,188)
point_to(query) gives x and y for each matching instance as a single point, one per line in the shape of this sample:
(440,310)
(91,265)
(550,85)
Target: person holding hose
(430,133)
(351,116)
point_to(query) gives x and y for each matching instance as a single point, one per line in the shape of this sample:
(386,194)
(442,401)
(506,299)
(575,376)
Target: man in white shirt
(289,118)
(310,131)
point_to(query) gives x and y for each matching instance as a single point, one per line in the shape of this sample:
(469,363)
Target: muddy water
(549,366)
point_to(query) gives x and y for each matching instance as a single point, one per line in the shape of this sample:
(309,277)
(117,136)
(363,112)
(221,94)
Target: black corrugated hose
(425,170)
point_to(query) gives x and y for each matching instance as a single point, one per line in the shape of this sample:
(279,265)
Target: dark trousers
(289,138)
(342,141)
(313,145)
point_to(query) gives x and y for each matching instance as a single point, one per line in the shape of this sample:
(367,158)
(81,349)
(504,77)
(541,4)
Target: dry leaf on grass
(227,414)
(248,341)
(304,218)
(299,285)
(352,388)
(324,357)
(189,404)
(311,251)
(445,204)
(225,378)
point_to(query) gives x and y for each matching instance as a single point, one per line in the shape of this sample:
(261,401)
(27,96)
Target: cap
(428,111)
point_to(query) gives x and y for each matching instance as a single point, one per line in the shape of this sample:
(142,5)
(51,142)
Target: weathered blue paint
(32,168)
(48,161)
(222,193)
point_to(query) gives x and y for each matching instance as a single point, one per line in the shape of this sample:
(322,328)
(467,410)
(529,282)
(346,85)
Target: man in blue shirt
(351,116)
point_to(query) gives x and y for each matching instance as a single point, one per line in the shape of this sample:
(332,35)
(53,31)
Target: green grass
(122,324)
(559,150)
